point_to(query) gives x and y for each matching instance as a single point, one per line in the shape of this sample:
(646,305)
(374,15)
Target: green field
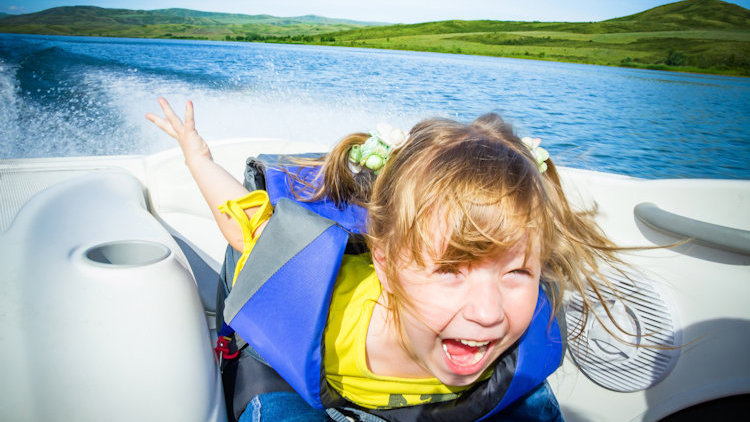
(710,51)
(708,36)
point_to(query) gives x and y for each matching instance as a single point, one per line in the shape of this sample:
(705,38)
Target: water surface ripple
(67,96)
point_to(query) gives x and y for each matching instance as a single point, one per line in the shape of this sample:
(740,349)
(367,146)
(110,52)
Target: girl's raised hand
(215,183)
(192,145)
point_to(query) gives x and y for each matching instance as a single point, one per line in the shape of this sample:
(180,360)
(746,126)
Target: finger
(170,115)
(189,116)
(162,124)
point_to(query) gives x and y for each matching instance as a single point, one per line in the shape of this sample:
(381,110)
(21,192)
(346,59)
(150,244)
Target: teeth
(478,356)
(447,353)
(472,343)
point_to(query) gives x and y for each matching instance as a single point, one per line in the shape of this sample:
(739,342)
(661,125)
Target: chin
(456,380)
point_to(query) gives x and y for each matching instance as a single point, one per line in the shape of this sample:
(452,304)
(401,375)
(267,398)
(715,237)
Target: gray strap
(357,415)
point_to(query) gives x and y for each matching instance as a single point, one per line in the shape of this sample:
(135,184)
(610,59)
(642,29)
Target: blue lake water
(67,96)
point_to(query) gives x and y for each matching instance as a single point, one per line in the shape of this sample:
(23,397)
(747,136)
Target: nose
(484,303)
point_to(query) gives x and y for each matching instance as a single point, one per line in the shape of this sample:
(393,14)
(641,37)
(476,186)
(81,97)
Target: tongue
(459,352)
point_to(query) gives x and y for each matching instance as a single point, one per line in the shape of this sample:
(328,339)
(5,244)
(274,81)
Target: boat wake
(57,103)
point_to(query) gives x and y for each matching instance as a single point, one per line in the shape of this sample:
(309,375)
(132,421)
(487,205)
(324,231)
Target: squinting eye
(446,275)
(521,271)
(446,269)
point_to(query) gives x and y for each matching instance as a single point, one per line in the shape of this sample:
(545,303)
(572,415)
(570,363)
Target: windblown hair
(482,182)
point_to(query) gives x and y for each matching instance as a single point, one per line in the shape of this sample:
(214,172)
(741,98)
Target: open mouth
(465,357)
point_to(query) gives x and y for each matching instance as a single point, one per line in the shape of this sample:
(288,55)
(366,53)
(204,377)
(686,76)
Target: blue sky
(395,11)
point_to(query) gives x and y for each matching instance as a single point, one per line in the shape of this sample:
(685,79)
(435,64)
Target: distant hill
(708,36)
(242,19)
(691,14)
(167,23)
(681,16)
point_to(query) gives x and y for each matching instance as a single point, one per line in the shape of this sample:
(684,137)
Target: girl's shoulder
(356,281)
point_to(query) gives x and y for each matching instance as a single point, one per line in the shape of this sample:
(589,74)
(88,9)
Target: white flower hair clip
(374,153)
(540,154)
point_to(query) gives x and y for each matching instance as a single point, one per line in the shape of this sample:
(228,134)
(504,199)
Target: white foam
(8,109)
(243,112)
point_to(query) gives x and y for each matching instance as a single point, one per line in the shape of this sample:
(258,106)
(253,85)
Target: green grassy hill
(693,14)
(166,23)
(709,36)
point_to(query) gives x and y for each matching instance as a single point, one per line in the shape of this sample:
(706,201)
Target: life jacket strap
(235,208)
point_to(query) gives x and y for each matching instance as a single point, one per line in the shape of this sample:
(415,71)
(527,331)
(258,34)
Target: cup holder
(127,253)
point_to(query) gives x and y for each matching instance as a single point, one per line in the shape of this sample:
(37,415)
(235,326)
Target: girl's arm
(215,183)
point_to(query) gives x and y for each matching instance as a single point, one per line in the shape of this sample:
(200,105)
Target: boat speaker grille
(635,351)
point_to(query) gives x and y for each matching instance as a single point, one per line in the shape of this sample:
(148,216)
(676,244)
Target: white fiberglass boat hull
(110,269)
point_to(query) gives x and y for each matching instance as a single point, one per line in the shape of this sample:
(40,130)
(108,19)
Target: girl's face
(462,321)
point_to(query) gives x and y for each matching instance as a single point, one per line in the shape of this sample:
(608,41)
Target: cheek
(435,308)
(420,334)
(520,309)
(428,319)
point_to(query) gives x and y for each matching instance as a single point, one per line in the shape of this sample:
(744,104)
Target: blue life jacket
(280,302)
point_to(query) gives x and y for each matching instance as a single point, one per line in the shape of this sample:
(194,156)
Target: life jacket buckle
(223,350)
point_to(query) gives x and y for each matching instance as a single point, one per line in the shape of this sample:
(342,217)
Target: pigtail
(342,182)
(337,180)
(580,256)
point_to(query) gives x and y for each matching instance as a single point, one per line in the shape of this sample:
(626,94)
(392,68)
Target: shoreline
(438,49)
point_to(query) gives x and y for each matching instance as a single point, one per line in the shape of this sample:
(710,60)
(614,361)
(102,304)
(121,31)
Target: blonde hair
(483,183)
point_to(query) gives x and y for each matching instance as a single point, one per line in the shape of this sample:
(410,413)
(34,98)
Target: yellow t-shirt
(355,293)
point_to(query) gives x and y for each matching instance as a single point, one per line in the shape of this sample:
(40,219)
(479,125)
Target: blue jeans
(281,406)
(538,405)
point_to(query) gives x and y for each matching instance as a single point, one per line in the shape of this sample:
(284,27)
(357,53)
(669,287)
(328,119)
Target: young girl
(443,318)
